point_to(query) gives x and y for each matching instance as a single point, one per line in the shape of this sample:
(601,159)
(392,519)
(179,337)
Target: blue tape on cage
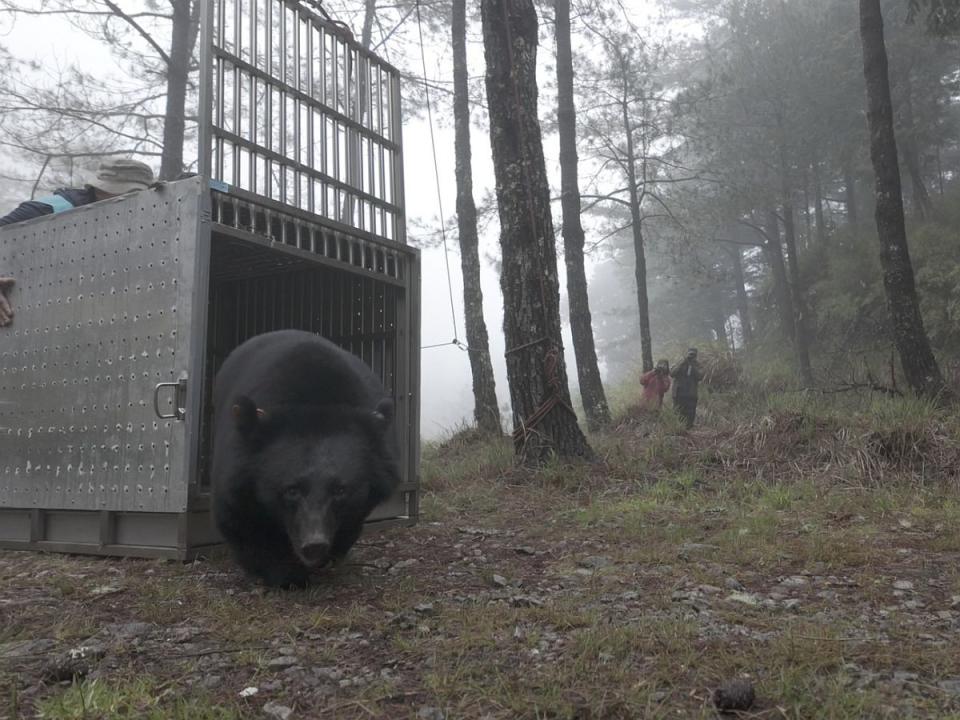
(219,185)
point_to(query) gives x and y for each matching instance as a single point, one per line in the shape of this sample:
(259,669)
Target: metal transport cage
(126,308)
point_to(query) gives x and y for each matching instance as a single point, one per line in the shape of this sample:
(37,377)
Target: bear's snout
(315,551)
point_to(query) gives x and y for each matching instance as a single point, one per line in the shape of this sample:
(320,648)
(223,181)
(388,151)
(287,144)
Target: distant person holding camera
(686,377)
(113,177)
(655,384)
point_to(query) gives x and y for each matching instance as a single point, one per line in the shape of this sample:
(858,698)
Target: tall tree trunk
(850,194)
(544,422)
(773,250)
(909,336)
(486,412)
(640,258)
(801,338)
(743,301)
(581,326)
(369,14)
(186,23)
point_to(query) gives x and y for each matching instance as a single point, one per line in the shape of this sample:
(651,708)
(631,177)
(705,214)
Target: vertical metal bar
(400,234)
(310,160)
(283,101)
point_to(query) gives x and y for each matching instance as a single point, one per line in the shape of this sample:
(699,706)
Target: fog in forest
(741,122)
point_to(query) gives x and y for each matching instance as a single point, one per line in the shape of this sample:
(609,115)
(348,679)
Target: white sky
(447,399)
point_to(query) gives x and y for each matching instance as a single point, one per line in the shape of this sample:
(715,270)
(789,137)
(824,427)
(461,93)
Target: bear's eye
(292,493)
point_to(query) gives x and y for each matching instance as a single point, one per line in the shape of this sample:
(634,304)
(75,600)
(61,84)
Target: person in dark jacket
(686,377)
(113,177)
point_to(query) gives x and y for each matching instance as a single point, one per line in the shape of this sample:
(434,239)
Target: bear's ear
(247,415)
(383,413)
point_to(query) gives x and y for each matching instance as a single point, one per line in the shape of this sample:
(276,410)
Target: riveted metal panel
(104,309)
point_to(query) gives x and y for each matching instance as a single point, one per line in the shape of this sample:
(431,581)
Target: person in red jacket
(655,384)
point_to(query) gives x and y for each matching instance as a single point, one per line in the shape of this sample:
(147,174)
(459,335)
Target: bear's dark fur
(303,450)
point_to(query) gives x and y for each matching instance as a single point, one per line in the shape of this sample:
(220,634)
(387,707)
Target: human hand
(6,309)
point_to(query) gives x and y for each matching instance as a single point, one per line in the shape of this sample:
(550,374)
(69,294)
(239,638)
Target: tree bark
(544,422)
(186,23)
(801,339)
(486,412)
(636,224)
(909,336)
(581,326)
(743,301)
(773,250)
(369,14)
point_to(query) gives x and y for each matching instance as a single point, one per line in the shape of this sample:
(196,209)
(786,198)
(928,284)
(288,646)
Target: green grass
(140,698)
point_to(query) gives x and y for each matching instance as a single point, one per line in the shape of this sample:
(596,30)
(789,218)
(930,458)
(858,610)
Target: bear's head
(318,471)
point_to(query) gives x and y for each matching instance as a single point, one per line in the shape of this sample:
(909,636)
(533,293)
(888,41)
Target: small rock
(526,601)
(249,692)
(905,524)
(902,585)
(430,713)
(128,631)
(902,676)
(794,581)
(69,666)
(284,661)
(951,686)
(944,615)
(731,583)
(477,531)
(102,590)
(791,604)
(499,580)
(210,682)
(424,608)
(913,604)
(397,567)
(630,595)
(595,562)
(709,589)
(328,673)
(955,601)
(583,572)
(742,597)
(525,550)
(735,695)
(183,634)
(274,710)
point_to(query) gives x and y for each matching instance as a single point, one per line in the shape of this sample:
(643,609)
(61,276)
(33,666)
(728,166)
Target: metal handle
(180,392)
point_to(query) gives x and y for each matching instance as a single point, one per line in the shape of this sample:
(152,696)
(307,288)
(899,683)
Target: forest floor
(811,550)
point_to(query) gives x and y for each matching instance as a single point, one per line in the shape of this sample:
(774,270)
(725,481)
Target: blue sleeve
(26,211)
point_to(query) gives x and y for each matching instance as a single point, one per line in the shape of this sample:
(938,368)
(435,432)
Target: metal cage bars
(295,111)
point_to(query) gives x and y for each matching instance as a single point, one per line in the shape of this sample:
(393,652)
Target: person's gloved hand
(6,309)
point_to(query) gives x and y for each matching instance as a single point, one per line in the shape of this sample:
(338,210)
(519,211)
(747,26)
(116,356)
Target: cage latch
(179,399)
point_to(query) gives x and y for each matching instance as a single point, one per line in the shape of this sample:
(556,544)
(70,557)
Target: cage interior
(256,289)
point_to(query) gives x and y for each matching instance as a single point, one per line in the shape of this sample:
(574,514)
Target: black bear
(303,450)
